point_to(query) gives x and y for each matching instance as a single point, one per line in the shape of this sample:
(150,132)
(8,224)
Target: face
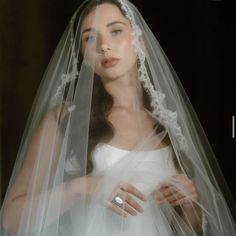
(107,42)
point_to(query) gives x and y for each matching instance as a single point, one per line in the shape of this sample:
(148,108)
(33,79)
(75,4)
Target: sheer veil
(62,182)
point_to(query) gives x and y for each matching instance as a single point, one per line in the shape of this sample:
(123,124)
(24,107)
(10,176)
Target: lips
(109,62)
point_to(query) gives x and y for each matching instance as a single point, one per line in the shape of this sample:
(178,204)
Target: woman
(113,146)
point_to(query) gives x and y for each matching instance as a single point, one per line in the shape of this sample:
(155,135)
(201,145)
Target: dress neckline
(126,150)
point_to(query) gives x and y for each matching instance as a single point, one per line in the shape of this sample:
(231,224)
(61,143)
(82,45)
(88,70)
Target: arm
(191,216)
(24,185)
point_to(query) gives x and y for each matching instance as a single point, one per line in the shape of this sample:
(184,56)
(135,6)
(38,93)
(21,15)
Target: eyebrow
(108,25)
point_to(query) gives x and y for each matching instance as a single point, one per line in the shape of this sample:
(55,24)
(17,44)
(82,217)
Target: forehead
(103,14)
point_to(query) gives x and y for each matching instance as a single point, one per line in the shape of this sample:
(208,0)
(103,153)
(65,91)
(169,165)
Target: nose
(104,45)
(105,48)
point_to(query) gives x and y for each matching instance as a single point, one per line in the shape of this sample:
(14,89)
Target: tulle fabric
(56,151)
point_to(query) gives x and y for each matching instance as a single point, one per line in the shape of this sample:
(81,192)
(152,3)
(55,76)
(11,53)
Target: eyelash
(87,39)
(91,37)
(118,31)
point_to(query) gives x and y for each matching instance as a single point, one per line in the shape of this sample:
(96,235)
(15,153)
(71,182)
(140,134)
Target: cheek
(127,47)
(128,42)
(90,57)
(130,51)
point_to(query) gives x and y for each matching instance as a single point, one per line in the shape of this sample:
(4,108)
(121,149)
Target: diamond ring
(118,201)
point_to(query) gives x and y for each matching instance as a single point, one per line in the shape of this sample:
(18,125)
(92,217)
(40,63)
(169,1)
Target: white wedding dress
(146,169)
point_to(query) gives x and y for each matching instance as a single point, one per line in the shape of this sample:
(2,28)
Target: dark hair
(100,129)
(92,4)
(88,6)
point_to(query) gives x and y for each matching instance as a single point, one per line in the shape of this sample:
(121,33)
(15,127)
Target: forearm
(54,202)
(192,217)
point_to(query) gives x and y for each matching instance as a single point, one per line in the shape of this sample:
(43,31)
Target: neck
(126,92)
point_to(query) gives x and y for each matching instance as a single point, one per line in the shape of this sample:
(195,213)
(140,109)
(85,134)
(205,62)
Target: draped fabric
(82,146)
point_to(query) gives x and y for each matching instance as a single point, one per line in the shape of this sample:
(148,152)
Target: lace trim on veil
(165,116)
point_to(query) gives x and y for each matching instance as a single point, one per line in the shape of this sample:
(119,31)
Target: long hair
(100,129)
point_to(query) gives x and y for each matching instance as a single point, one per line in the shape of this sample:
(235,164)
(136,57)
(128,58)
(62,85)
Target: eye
(90,39)
(116,32)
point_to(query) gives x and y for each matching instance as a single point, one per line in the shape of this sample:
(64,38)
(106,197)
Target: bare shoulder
(46,139)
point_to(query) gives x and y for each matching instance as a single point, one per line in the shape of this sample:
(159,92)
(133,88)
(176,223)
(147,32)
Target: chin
(109,76)
(109,79)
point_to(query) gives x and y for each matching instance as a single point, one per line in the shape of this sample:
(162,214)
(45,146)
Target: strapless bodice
(105,156)
(143,169)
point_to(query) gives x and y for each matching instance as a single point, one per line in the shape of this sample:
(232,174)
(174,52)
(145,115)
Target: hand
(180,191)
(84,187)
(129,206)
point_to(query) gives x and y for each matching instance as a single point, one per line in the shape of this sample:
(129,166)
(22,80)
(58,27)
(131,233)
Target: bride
(113,146)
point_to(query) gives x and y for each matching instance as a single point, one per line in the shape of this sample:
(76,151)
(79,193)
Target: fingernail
(141,209)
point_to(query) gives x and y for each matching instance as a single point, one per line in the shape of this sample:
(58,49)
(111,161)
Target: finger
(180,180)
(174,201)
(172,198)
(186,187)
(129,209)
(180,177)
(172,194)
(183,184)
(130,205)
(126,208)
(134,204)
(132,190)
(163,185)
(164,193)
(129,200)
(180,188)
(116,209)
(189,193)
(186,202)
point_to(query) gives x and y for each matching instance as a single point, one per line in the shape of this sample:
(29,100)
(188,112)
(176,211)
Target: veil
(87,161)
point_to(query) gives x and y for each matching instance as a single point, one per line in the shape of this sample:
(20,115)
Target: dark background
(197,36)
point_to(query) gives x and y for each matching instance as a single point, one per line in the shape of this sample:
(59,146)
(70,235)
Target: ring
(118,201)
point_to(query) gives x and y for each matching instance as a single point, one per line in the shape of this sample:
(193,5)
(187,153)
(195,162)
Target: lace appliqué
(65,79)
(204,223)
(165,116)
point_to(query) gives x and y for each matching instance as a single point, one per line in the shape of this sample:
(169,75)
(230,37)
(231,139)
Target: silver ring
(118,201)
